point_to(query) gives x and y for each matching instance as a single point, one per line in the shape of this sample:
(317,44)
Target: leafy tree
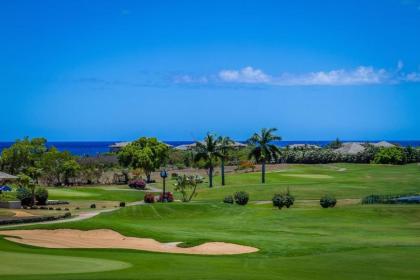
(26,183)
(146,153)
(56,164)
(392,155)
(70,170)
(225,145)
(187,186)
(22,155)
(208,150)
(262,149)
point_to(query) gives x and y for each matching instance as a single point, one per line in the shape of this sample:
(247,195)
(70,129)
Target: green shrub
(93,206)
(24,195)
(149,198)
(122,204)
(393,155)
(228,199)
(281,200)
(327,201)
(241,198)
(41,195)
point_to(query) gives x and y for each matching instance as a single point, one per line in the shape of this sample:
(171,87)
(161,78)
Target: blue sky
(117,70)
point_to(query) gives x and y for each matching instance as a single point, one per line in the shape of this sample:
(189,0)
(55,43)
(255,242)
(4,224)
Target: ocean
(92,148)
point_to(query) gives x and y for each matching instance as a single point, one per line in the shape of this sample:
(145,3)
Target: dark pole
(164,174)
(164,186)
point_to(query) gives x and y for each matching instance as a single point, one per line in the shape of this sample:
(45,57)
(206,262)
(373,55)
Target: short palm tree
(263,151)
(209,152)
(225,144)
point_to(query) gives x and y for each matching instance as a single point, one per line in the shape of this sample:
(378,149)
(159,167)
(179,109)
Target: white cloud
(412,77)
(245,75)
(362,75)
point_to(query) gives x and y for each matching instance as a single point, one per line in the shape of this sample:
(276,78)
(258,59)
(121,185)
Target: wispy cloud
(362,75)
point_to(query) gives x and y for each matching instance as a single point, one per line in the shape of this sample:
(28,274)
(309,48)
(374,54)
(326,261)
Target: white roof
(5,176)
(304,146)
(351,148)
(383,144)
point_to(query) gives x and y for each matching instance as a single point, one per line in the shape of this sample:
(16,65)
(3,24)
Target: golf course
(350,241)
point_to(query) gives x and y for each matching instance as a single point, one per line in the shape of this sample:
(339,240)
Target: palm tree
(208,151)
(263,151)
(225,144)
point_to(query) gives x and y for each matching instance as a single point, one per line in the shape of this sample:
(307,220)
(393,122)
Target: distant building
(116,147)
(304,146)
(6,177)
(351,148)
(383,144)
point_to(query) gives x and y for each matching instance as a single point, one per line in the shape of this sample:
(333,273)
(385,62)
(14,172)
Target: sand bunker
(104,238)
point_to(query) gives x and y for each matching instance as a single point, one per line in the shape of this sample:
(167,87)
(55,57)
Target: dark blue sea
(92,148)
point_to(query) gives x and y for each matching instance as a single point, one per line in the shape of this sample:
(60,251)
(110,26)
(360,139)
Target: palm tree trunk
(263,172)
(211,176)
(223,172)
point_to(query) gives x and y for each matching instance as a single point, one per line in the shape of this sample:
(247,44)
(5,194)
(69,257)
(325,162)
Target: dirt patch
(20,213)
(105,238)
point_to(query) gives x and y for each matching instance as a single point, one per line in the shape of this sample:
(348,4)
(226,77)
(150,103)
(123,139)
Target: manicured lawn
(351,241)
(107,193)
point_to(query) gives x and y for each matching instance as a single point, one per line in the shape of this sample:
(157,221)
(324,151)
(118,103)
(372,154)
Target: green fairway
(29,264)
(351,241)
(106,193)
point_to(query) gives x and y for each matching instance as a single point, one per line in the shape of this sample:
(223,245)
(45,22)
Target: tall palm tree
(209,152)
(225,144)
(263,151)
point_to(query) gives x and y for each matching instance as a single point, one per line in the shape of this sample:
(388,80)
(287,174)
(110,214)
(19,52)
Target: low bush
(284,199)
(93,206)
(57,202)
(34,219)
(41,196)
(122,204)
(149,198)
(174,175)
(328,201)
(24,195)
(50,208)
(241,198)
(168,196)
(228,199)
(58,209)
(139,184)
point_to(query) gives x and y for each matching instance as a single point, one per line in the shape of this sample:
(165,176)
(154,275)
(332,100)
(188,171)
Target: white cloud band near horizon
(362,75)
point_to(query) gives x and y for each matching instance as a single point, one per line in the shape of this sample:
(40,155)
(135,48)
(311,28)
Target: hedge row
(34,219)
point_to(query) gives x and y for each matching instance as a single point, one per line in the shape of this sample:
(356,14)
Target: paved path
(82,216)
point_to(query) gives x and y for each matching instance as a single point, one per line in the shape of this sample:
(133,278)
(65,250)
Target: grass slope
(305,242)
